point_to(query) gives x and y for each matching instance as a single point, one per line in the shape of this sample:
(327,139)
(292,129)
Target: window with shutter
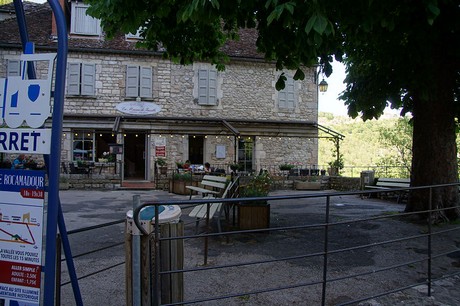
(81,79)
(145,82)
(286,97)
(139,82)
(14,68)
(88,79)
(81,23)
(207,87)
(73,79)
(132,81)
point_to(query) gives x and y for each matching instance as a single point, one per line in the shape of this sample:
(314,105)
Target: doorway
(246,154)
(195,149)
(135,163)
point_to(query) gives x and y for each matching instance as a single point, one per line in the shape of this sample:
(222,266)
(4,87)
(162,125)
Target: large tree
(404,53)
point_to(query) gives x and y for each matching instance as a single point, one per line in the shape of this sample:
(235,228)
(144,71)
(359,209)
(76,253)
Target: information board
(22,197)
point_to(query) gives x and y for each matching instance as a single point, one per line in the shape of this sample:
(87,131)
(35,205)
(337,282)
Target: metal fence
(323,261)
(312,257)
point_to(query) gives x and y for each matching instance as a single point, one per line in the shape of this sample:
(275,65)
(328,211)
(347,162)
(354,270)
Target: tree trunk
(434,156)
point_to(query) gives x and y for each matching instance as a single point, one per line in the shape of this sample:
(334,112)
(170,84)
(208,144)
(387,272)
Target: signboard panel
(22,197)
(138,108)
(28,141)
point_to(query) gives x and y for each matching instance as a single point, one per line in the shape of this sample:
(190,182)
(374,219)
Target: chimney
(53,21)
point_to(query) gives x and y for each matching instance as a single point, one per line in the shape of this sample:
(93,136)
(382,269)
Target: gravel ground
(82,208)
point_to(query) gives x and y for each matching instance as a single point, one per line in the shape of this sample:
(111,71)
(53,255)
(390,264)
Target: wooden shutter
(212,87)
(290,100)
(207,87)
(73,79)
(286,97)
(88,79)
(14,68)
(132,81)
(145,82)
(82,23)
(202,86)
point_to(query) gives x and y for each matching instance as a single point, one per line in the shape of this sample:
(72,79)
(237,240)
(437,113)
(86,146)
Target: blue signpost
(27,101)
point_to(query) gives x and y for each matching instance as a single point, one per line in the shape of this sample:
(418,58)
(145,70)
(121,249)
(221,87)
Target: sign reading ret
(32,141)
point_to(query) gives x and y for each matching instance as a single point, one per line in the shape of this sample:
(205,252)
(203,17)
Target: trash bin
(367,178)
(139,252)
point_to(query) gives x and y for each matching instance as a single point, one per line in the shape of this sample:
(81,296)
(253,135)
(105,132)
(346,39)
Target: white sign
(22,197)
(31,141)
(220,151)
(160,141)
(24,99)
(138,108)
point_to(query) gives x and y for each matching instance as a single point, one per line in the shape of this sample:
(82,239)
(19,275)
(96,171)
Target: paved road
(87,208)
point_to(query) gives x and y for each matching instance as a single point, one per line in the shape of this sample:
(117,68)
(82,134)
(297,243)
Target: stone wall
(341,183)
(246,91)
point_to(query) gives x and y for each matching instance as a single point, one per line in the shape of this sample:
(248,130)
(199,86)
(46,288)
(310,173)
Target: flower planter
(178,187)
(299,185)
(253,216)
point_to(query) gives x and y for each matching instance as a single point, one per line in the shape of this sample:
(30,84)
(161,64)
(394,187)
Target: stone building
(130,101)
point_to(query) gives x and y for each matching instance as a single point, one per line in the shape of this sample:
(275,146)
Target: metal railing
(93,231)
(323,251)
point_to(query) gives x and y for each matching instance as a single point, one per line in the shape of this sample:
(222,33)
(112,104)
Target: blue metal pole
(68,257)
(21,19)
(53,170)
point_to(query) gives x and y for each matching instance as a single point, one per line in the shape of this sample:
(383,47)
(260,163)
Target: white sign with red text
(22,198)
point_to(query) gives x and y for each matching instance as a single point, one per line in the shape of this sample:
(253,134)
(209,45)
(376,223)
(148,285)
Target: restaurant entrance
(135,162)
(195,150)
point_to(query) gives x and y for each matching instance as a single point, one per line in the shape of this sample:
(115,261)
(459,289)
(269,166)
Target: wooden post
(171,258)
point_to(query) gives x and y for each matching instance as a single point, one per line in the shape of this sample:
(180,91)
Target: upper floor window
(82,24)
(207,87)
(138,81)
(286,96)
(13,68)
(81,79)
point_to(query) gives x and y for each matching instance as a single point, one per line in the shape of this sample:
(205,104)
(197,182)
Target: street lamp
(323,86)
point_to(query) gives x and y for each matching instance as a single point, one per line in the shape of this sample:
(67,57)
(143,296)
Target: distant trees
(398,141)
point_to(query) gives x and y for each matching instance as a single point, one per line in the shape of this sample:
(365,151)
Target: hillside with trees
(383,145)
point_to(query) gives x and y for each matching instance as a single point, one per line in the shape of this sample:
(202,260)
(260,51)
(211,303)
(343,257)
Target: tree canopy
(402,52)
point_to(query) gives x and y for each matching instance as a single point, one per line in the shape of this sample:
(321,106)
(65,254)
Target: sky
(328,101)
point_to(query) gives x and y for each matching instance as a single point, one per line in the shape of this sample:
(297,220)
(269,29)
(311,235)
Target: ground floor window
(90,145)
(246,153)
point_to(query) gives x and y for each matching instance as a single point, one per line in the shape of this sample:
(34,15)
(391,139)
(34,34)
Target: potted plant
(162,165)
(235,167)
(286,167)
(335,166)
(255,214)
(179,181)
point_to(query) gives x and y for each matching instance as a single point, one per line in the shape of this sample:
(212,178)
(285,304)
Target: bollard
(140,257)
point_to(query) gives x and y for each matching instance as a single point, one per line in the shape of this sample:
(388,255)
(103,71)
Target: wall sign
(220,151)
(138,108)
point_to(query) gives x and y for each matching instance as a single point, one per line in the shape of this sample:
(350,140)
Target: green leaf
(311,22)
(320,24)
(280,83)
(299,75)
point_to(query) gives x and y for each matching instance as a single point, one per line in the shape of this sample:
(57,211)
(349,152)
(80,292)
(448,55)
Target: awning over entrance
(205,126)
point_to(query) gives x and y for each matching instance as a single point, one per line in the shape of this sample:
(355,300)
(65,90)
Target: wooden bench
(212,185)
(391,183)
(200,212)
